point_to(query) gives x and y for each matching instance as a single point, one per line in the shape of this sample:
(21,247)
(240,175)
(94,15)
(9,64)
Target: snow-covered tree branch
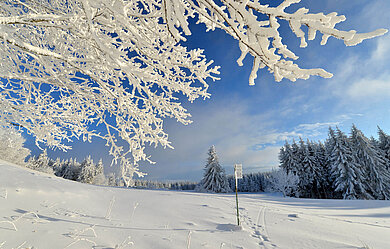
(114,69)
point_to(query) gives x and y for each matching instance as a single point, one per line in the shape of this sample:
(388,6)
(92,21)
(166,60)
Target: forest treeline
(347,167)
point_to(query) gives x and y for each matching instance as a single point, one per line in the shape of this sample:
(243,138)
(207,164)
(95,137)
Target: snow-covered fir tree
(328,147)
(285,157)
(41,163)
(99,178)
(214,178)
(252,182)
(346,173)
(87,171)
(323,171)
(376,181)
(71,170)
(57,166)
(384,146)
(310,174)
(12,146)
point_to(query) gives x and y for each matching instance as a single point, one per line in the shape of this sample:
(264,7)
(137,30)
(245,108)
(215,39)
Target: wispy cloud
(239,136)
(349,116)
(315,129)
(382,49)
(370,88)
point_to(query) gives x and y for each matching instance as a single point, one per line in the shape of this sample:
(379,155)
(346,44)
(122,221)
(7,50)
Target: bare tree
(114,69)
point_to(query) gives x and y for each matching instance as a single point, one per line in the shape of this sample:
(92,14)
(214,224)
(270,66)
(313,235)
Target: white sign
(238,171)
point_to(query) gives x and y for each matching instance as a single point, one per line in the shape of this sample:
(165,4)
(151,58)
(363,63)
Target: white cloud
(370,88)
(315,128)
(371,80)
(382,49)
(349,116)
(239,137)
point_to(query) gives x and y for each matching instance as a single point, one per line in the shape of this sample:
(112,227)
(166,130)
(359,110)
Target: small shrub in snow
(287,183)
(12,146)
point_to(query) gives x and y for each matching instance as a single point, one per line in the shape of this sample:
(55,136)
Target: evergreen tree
(384,146)
(295,158)
(99,178)
(322,168)
(57,167)
(43,160)
(288,157)
(71,170)
(283,157)
(40,163)
(87,171)
(329,147)
(345,171)
(214,179)
(310,176)
(373,165)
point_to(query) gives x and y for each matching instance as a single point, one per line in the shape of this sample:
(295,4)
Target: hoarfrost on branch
(115,69)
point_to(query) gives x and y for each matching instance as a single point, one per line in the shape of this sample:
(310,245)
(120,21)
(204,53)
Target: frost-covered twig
(80,239)
(110,206)
(189,239)
(78,234)
(36,219)
(132,214)
(2,244)
(10,222)
(20,246)
(261,38)
(365,246)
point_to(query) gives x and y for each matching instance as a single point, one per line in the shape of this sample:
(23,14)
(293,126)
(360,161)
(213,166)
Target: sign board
(238,171)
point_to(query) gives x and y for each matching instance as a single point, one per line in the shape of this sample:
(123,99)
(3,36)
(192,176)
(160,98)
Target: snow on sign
(238,171)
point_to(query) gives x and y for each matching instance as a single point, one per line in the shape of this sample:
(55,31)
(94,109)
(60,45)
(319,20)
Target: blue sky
(248,124)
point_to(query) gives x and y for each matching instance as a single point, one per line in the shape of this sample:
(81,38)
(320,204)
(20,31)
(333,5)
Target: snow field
(42,211)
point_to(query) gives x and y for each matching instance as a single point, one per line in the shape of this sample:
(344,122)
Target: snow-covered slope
(43,211)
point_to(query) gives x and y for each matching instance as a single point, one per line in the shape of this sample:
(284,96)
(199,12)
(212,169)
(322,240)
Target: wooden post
(238,214)
(237,175)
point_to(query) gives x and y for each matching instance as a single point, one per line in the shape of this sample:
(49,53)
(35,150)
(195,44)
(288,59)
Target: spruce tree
(323,171)
(384,146)
(87,171)
(71,170)
(40,163)
(99,178)
(310,177)
(283,157)
(214,179)
(373,165)
(345,171)
(295,158)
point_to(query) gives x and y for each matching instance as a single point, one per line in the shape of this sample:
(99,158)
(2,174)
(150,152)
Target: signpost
(237,175)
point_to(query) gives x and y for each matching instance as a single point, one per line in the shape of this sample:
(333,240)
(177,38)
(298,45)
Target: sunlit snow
(42,211)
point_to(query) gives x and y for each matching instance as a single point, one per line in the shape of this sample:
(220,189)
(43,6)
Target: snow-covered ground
(43,211)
